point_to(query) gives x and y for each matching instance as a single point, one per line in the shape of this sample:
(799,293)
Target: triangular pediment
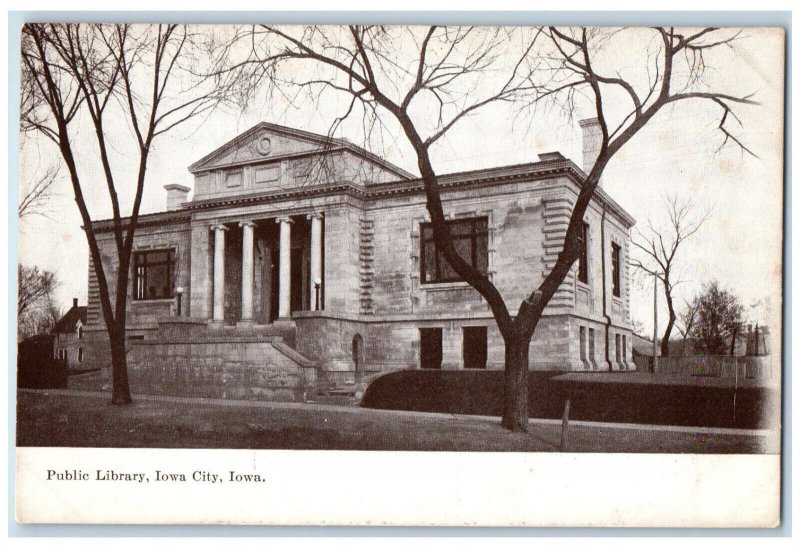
(266,142)
(263,143)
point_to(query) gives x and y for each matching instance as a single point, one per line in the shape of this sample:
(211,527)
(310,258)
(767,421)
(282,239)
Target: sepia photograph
(326,253)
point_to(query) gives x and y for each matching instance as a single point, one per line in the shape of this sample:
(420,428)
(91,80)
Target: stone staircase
(341,387)
(182,329)
(330,392)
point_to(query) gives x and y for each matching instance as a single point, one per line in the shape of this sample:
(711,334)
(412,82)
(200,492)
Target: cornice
(145,221)
(452,182)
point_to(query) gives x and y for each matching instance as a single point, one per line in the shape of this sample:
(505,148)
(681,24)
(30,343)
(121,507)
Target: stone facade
(331,239)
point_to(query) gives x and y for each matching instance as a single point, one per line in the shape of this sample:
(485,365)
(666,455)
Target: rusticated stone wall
(221,367)
(392,344)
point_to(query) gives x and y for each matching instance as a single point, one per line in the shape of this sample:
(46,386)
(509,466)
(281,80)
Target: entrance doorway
(358,353)
(474,347)
(270,271)
(268,289)
(430,348)
(300,272)
(268,255)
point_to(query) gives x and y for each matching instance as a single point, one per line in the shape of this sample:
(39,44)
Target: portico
(265,269)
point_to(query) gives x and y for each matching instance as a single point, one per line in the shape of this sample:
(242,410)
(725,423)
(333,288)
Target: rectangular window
(474,347)
(624,349)
(591,346)
(615,249)
(430,348)
(80,355)
(583,260)
(153,274)
(582,339)
(470,239)
(618,346)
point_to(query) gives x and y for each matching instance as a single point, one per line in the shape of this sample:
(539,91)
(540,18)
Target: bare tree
(686,320)
(34,285)
(638,327)
(36,308)
(659,247)
(37,192)
(110,74)
(38,319)
(453,73)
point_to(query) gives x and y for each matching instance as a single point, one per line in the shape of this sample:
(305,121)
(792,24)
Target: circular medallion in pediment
(264,145)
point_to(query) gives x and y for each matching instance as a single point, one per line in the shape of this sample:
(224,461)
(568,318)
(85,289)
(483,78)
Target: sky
(677,153)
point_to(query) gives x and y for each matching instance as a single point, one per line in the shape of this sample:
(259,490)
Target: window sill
(582,285)
(444,286)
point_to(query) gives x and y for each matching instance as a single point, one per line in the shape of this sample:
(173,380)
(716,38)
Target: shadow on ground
(620,397)
(63,419)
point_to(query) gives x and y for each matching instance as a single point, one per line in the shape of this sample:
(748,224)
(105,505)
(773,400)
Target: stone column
(316,257)
(219,273)
(285,269)
(247,272)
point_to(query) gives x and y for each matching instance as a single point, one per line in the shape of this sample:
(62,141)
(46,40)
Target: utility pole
(655,323)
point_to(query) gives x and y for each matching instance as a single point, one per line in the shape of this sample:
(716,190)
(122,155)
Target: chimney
(176,195)
(592,139)
(74,302)
(551,157)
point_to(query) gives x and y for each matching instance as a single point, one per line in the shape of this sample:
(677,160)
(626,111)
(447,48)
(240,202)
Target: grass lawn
(615,397)
(60,418)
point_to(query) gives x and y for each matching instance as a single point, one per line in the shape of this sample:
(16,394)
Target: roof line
(307,136)
(447,182)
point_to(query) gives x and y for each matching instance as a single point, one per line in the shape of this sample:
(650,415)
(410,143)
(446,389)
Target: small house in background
(643,351)
(68,332)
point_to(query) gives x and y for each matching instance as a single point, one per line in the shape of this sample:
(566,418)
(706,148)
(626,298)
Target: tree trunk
(120,391)
(515,401)
(667,334)
(672,316)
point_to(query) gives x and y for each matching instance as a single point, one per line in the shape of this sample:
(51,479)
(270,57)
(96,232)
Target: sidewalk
(86,419)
